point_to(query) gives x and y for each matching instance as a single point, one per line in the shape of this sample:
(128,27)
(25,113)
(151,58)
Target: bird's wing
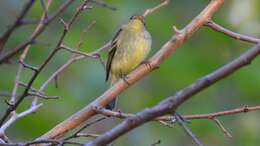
(112,53)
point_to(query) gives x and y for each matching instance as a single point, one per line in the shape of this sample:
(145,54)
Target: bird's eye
(132,17)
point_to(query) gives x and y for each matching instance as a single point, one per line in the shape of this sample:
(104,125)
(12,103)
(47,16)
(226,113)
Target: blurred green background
(85,80)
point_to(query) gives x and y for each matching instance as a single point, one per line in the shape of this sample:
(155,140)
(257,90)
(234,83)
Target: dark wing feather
(111,54)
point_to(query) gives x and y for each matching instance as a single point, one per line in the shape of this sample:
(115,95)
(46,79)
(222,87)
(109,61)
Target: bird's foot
(124,78)
(147,64)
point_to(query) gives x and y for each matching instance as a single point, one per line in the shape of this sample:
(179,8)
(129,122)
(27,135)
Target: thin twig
(211,24)
(84,32)
(156,8)
(209,116)
(42,96)
(187,130)
(79,52)
(20,83)
(166,123)
(45,9)
(103,4)
(221,126)
(15,116)
(87,135)
(76,134)
(25,65)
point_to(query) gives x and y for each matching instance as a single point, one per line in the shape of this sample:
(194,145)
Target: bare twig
(42,96)
(20,83)
(156,8)
(244,109)
(209,116)
(103,4)
(79,52)
(211,24)
(15,116)
(45,9)
(104,47)
(187,130)
(84,32)
(25,65)
(77,133)
(224,130)
(87,135)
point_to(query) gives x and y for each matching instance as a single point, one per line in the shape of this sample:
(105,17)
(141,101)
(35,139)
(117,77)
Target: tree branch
(211,24)
(156,8)
(209,116)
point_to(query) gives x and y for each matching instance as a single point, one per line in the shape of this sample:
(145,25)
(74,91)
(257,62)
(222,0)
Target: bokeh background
(85,80)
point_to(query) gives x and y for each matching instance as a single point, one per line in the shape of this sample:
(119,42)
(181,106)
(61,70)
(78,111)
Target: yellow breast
(133,46)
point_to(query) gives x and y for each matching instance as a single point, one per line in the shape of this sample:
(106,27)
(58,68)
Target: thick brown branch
(175,42)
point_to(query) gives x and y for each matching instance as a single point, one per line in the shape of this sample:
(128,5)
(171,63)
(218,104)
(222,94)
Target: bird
(129,48)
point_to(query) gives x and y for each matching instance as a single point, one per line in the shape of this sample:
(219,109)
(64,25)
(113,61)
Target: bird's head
(137,22)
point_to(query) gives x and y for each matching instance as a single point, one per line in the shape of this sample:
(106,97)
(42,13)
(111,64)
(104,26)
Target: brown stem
(211,24)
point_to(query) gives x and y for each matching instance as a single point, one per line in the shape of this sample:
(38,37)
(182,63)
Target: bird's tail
(112,104)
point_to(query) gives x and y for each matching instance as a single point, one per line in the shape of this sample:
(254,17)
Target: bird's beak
(141,18)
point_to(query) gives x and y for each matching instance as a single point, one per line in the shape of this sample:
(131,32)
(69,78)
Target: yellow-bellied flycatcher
(130,46)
